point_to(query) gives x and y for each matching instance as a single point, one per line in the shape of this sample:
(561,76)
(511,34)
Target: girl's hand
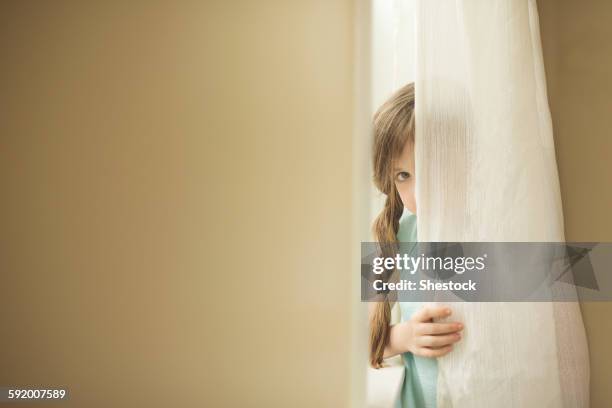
(422,337)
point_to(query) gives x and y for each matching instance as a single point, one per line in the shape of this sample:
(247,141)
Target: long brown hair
(393,128)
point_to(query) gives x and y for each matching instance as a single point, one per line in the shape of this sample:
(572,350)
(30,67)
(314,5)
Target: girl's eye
(403,176)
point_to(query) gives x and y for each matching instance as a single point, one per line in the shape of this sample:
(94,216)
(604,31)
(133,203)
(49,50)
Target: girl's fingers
(431,312)
(432,353)
(438,341)
(440,328)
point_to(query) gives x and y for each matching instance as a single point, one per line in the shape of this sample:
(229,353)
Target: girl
(417,337)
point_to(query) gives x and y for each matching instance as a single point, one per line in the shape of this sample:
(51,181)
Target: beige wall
(577,39)
(176,198)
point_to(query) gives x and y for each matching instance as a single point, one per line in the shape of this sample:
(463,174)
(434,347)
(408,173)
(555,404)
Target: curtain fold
(486,171)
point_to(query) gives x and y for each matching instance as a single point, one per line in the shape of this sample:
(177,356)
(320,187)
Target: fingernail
(459,326)
(448,311)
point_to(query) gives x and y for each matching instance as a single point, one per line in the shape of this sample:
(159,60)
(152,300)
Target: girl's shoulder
(407,227)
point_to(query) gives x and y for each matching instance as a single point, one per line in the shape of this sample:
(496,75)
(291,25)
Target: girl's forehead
(405,157)
(407,150)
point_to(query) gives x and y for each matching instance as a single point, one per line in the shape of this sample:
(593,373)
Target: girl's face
(403,176)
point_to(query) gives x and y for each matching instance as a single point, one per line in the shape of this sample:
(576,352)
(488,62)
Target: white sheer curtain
(486,171)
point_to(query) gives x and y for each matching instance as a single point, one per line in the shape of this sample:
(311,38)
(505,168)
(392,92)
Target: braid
(386,227)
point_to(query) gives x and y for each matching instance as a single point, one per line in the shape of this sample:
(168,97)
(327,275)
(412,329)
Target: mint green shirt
(421,374)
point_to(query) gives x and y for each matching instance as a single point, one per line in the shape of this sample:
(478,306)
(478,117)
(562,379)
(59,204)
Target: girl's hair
(393,128)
